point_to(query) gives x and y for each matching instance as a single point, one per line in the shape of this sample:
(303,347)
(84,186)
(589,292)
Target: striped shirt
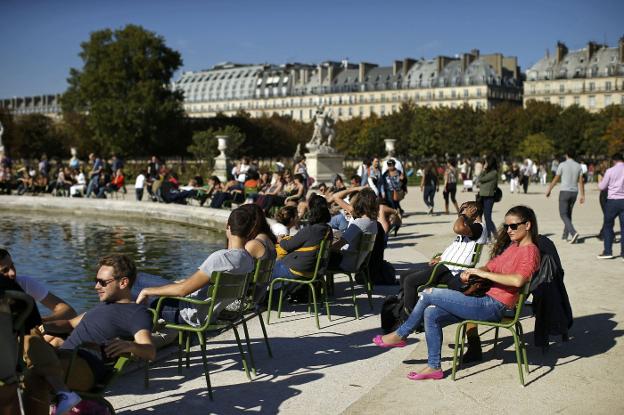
(463,249)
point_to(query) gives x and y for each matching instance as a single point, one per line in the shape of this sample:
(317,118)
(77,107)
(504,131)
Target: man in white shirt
(33,287)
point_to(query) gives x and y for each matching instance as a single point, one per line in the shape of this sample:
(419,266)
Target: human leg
(566,203)
(411,281)
(488,206)
(445,196)
(613,209)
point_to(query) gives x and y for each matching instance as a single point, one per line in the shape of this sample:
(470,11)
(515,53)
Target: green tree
(537,147)
(36,134)
(614,136)
(123,86)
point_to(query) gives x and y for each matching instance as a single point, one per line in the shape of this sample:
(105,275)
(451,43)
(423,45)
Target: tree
(36,134)
(123,86)
(537,147)
(204,146)
(615,136)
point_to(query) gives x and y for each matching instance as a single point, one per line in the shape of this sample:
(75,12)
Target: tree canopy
(123,87)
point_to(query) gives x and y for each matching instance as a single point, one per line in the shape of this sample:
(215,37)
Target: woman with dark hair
(241,225)
(261,244)
(364,209)
(298,191)
(301,250)
(516,258)
(488,181)
(450,185)
(429,185)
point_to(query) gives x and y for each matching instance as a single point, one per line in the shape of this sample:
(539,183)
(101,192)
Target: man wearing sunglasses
(101,329)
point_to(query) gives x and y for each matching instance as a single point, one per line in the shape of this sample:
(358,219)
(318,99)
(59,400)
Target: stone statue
(1,132)
(324,132)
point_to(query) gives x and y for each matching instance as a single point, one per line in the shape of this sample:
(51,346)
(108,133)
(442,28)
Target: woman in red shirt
(517,258)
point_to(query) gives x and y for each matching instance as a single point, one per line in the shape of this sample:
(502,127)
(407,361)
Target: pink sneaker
(379,342)
(437,375)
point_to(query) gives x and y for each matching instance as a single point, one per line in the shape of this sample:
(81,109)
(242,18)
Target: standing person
(450,185)
(525,174)
(364,171)
(429,185)
(488,181)
(515,177)
(139,185)
(613,183)
(392,185)
(97,169)
(571,177)
(554,165)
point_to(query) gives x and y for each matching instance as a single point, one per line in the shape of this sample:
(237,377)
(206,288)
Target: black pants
(410,281)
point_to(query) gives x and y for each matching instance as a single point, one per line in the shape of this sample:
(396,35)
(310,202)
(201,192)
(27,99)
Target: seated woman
(285,220)
(517,258)
(363,209)
(297,192)
(469,232)
(262,246)
(300,250)
(235,260)
(270,195)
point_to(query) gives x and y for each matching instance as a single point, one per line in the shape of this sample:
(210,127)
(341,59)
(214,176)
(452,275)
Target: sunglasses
(104,283)
(513,226)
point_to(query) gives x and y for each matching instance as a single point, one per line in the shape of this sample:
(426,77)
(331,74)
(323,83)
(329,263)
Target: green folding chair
(322,258)
(253,308)
(512,324)
(225,287)
(364,250)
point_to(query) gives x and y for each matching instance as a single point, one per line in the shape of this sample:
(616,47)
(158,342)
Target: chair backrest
(322,258)
(365,247)
(476,254)
(524,292)
(227,287)
(263,271)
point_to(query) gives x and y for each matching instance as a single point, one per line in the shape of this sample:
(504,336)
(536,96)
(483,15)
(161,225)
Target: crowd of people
(305,216)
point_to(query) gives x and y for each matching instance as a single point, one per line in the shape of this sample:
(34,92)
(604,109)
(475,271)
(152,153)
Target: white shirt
(32,287)
(398,165)
(279,230)
(140,182)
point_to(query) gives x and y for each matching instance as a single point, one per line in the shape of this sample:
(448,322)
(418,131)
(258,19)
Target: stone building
(352,90)
(592,77)
(49,105)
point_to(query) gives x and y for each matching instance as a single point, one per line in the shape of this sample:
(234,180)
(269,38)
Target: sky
(40,39)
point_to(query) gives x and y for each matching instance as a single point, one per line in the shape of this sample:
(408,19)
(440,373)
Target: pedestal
(323,166)
(220,167)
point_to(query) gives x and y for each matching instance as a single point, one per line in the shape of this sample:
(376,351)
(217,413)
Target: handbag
(477,286)
(398,195)
(498,194)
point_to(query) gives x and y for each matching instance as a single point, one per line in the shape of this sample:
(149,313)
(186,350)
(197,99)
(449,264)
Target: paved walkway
(337,369)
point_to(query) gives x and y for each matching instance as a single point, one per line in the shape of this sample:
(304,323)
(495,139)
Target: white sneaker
(66,401)
(574,238)
(605,256)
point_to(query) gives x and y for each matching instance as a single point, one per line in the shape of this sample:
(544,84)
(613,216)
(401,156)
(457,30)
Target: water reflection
(63,250)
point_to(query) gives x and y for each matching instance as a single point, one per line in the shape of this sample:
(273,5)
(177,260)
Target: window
(350,112)
(592,101)
(453,94)
(361,111)
(577,100)
(465,93)
(607,100)
(394,108)
(592,86)
(561,88)
(608,86)
(478,93)
(562,102)
(383,110)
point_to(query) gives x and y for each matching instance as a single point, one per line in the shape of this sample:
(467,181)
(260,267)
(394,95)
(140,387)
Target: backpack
(392,313)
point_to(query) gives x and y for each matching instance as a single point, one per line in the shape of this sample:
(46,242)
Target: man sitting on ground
(117,316)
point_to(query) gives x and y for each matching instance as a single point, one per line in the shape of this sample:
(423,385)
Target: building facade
(592,77)
(49,105)
(351,90)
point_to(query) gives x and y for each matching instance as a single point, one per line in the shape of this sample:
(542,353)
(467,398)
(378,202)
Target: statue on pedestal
(1,132)
(324,132)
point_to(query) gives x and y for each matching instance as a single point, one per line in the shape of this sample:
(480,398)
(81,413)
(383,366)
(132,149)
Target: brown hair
(122,265)
(525,214)
(366,203)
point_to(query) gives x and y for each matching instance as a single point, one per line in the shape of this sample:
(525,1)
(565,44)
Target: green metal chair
(317,275)
(96,393)
(253,308)
(225,287)
(365,248)
(476,255)
(512,324)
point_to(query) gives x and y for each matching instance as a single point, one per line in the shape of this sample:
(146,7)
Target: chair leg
(518,355)
(461,344)
(523,344)
(369,289)
(242,352)
(313,291)
(251,359)
(457,333)
(326,297)
(355,306)
(180,342)
(495,341)
(188,350)
(202,342)
(279,304)
(264,332)
(270,303)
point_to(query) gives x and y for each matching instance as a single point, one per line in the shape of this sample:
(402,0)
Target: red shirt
(523,260)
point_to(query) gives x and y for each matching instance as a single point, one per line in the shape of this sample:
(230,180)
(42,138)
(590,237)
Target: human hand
(118,347)
(434,261)
(464,277)
(582,199)
(142,297)
(548,193)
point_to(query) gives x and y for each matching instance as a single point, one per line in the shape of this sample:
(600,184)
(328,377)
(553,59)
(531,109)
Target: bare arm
(62,326)
(141,347)
(511,280)
(59,308)
(581,184)
(552,184)
(181,289)
(255,248)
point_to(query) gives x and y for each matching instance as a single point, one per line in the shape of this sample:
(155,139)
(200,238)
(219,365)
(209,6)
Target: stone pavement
(337,369)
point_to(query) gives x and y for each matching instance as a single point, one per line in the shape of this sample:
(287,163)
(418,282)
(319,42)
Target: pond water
(63,250)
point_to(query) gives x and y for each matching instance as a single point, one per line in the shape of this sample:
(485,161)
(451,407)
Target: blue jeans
(280,270)
(439,307)
(93,185)
(614,208)
(339,222)
(428,195)
(488,206)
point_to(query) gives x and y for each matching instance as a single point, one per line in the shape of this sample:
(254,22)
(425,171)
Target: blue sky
(40,40)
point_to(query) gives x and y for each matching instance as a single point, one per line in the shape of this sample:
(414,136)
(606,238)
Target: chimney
(396,67)
(408,63)
(562,50)
(510,63)
(467,59)
(321,72)
(441,62)
(592,47)
(330,74)
(621,49)
(475,53)
(364,67)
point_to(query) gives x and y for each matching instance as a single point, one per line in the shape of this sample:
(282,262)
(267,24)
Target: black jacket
(551,305)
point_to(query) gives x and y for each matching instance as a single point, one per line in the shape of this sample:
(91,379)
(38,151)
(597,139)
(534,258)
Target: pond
(63,250)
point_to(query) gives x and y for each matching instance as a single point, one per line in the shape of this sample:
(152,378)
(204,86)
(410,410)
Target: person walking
(613,183)
(571,176)
(429,185)
(488,182)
